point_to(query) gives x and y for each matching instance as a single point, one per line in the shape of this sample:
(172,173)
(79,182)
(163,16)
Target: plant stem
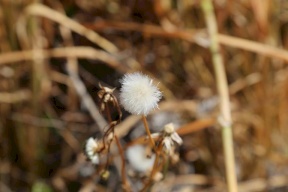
(222,87)
(156,167)
(121,153)
(123,174)
(152,143)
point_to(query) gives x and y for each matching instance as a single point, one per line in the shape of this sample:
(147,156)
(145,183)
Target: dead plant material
(65,52)
(44,11)
(192,36)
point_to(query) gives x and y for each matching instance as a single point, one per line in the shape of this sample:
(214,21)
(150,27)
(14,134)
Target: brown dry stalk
(119,146)
(123,170)
(186,129)
(65,52)
(192,35)
(152,143)
(196,126)
(17,96)
(44,11)
(155,169)
(87,99)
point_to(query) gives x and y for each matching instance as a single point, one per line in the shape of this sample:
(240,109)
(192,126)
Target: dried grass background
(52,51)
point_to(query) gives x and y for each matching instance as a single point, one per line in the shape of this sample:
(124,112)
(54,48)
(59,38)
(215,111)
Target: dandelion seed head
(138,94)
(138,159)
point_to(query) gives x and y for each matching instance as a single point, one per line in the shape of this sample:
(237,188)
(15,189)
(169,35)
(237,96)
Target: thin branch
(63,52)
(87,99)
(193,36)
(44,11)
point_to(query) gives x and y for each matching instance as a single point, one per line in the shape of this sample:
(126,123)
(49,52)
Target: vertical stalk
(121,153)
(222,87)
(123,170)
(37,137)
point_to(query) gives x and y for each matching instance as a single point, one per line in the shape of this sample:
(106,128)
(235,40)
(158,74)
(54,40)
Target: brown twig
(192,36)
(186,129)
(64,52)
(126,186)
(44,11)
(87,100)
(152,143)
(15,97)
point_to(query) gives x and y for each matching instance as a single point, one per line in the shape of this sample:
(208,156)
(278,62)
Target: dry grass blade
(185,105)
(44,11)
(223,92)
(196,126)
(182,180)
(18,96)
(87,100)
(186,129)
(240,84)
(261,184)
(66,52)
(147,29)
(253,46)
(192,35)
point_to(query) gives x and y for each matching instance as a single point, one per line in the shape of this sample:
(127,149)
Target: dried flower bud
(138,94)
(105,174)
(105,94)
(169,128)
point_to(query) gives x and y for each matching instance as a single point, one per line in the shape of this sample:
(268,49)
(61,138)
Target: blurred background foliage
(44,124)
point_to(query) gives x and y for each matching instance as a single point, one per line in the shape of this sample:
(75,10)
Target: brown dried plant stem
(152,143)
(156,150)
(156,166)
(223,92)
(120,150)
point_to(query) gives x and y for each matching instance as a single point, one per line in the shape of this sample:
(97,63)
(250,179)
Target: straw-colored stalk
(222,87)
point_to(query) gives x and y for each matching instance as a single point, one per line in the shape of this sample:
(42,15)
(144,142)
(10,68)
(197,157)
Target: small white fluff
(138,94)
(138,160)
(90,149)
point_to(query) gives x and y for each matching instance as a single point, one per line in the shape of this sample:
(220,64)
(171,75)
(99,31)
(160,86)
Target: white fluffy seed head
(138,94)
(137,157)
(90,149)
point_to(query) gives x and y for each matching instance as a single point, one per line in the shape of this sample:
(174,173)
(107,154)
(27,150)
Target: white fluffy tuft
(138,160)
(90,148)
(138,94)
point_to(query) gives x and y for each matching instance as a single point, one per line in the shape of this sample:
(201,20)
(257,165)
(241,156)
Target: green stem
(222,87)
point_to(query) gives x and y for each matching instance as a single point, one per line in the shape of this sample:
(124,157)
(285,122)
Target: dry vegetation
(52,52)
